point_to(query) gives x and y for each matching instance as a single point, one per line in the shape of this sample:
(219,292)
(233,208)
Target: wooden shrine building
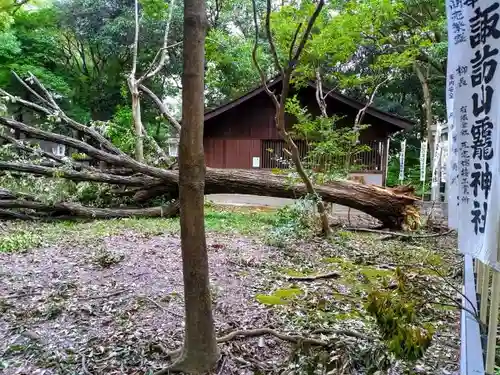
(240,134)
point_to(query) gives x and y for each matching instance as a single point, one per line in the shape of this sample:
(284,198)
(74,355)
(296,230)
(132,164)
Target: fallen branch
(69,174)
(55,110)
(256,333)
(326,276)
(342,332)
(84,367)
(78,210)
(398,234)
(113,294)
(6,214)
(119,160)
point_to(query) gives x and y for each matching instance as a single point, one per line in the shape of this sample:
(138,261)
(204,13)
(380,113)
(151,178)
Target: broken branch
(398,234)
(325,276)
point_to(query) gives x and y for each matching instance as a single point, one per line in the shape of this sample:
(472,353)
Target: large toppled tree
(143,183)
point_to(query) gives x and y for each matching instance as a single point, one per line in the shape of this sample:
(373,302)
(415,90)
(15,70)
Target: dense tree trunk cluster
(143,182)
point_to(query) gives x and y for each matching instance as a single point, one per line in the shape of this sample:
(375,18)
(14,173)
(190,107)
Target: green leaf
(270,300)
(288,293)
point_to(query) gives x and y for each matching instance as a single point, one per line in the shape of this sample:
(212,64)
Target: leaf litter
(105,306)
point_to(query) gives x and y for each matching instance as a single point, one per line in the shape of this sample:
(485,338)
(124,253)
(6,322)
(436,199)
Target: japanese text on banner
(423,160)
(435,164)
(402,156)
(473,80)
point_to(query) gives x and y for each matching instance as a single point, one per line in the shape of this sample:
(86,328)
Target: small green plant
(398,321)
(19,241)
(293,222)
(279,296)
(105,259)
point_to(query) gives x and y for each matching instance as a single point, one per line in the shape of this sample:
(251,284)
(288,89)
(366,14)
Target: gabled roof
(390,118)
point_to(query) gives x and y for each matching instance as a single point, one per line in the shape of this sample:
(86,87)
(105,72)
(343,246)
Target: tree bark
(134,91)
(383,204)
(200,352)
(279,105)
(427,108)
(76,210)
(138,127)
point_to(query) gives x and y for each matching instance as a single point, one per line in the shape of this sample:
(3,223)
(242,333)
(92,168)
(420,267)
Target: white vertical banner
(444,160)
(452,182)
(423,159)
(402,156)
(437,137)
(435,165)
(474,43)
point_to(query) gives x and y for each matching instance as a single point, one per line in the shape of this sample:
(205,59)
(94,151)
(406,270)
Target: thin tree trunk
(136,115)
(279,105)
(427,108)
(134,91)
(134,83)
(200,351)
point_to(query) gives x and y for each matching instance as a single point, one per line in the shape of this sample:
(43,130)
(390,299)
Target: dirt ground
(105,306)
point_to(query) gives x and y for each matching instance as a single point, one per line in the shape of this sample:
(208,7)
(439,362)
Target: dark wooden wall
(253,119)
(233,137)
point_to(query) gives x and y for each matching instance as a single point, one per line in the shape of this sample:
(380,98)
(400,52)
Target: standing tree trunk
(134,91)
(135,84)
(200,352)
(279,105)
(427,108)
(136,116)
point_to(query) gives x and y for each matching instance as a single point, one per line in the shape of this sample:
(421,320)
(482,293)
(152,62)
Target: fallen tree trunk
(146,182)
(89,175)
(383,204)
(388,207)
(75,210)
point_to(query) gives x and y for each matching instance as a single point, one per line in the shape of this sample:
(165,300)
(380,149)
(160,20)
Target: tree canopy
(81,50)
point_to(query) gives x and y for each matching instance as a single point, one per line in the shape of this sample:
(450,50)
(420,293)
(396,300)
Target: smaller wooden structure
(240,133)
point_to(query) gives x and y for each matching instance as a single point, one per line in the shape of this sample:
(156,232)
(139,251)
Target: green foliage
(9,45)
(154,9)
(332,146)
(120,131)
(26,236)
(230,71)
(279,296)
(293,222)
(250,222)
(396,315)
(19,241)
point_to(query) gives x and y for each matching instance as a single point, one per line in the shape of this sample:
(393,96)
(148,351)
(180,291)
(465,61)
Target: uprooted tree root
(295,339)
